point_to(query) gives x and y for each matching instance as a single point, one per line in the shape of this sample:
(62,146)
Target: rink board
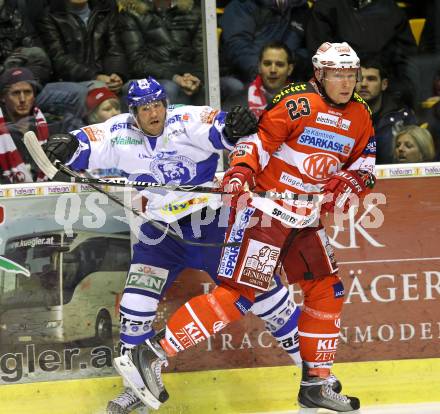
(233,391)
(379,329)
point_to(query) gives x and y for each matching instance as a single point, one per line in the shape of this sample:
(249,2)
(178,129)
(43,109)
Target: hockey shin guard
(319,323)
(280,315)
(136,313)
(203,316)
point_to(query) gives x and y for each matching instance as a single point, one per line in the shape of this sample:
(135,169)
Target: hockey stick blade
(38,155)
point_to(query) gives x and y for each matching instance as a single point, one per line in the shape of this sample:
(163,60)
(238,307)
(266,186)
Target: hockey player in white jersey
(172,145)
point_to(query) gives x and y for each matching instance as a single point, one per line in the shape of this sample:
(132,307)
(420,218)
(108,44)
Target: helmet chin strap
(133,112)
(323,92)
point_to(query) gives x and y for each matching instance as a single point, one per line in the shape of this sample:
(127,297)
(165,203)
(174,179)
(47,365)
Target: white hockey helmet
(335,56)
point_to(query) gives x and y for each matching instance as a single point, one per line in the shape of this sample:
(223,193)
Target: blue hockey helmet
(144,91)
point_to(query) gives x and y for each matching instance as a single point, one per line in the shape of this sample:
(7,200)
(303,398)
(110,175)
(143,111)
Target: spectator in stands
(18,114)
(275,67)
(388,116)
(423,67)
(102,104)
(373,28)
(33,9)
(165,40)
(248,25)
(19,43)
(414,144)
(82,40)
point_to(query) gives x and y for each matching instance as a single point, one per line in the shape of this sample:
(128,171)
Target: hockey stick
(159,226)
(57,171)
(46,166)
(60,172)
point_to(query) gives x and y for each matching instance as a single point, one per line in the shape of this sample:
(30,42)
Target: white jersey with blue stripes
(187,152)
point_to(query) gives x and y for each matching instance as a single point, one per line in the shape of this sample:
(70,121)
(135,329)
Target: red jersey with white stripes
(303,140)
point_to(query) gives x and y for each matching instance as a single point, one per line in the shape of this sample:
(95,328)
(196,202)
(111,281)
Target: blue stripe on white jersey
(140,177)
(215,136)
(81,162)
(205,170)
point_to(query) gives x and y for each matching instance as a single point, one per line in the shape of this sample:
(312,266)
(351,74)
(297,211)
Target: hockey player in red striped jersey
(315,138)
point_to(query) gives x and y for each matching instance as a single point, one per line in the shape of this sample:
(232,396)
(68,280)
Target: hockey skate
(317,392)
(141,368)
(125,403)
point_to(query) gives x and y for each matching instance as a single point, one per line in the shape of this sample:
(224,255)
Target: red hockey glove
(341,185)
(237,180)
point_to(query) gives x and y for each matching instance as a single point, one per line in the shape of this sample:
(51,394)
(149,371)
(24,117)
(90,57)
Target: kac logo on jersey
(320,166)
(173,170)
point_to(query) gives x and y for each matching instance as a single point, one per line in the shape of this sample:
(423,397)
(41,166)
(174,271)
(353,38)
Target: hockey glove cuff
(342,185)
(239,122)
(237,180)
(61,147)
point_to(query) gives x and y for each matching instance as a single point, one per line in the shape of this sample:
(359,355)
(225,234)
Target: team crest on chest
(176,169)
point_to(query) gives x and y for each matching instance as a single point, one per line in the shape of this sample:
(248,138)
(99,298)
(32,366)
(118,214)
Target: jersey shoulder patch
(358,98)
(291,89)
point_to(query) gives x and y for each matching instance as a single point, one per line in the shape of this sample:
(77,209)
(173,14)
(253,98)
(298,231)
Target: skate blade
(304,410)
(129,372)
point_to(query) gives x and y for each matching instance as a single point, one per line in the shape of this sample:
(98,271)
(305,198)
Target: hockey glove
(342,185)
(239,122)
(237,180)
(61,147)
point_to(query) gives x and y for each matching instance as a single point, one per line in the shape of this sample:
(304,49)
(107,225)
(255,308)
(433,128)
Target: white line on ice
(420,408)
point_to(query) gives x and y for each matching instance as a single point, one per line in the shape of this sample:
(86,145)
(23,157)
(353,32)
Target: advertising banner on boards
(64,255)
(387,254)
